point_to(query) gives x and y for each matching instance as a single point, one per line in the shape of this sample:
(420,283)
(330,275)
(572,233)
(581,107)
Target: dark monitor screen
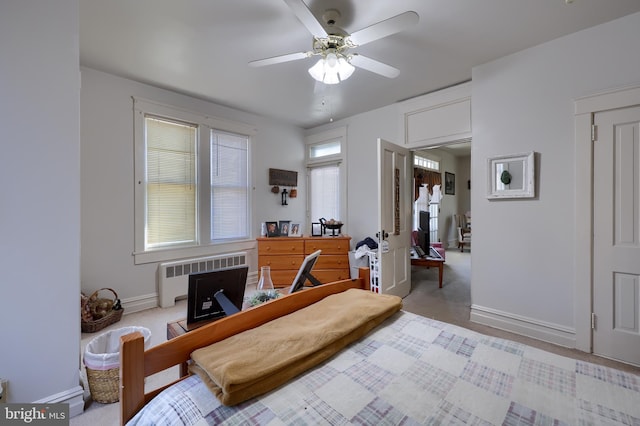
(202,303)
(424,241)
(424,220)
(304,273)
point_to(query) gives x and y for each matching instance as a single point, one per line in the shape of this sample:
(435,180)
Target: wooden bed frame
(136,363)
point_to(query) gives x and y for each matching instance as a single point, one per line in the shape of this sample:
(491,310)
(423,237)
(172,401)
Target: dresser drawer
(332,261)
(330,275)
(327,245)
(280,246)
(282,278)
(281,262)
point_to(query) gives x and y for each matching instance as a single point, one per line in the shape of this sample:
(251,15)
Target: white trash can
(102,362)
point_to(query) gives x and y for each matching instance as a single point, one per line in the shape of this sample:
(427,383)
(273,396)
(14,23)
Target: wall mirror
(511,176)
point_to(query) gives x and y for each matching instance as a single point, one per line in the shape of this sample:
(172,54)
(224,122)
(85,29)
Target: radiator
(173,277)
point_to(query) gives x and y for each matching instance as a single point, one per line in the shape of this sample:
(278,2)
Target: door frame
(585,109)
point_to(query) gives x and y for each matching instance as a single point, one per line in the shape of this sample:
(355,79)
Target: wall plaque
(283,177)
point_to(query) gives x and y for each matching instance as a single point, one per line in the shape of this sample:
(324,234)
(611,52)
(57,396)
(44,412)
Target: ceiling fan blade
(384,28)
(279,59)
(306,17)
(374,66)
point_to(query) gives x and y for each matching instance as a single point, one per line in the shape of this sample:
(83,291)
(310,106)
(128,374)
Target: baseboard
(148,301)
(140,303)
(529,327)
(73,397)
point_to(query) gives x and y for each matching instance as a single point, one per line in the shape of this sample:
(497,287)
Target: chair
(464,231)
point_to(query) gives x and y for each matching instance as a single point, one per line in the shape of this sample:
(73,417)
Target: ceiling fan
(333,44)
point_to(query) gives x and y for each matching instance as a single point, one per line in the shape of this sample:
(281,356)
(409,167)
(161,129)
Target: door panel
(616,255)
(394,218)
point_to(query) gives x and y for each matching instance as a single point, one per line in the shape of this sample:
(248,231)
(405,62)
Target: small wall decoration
(449,183)
(511,176)
(272,229)
(294,230)
(279,178)
(283,177)
(284,227)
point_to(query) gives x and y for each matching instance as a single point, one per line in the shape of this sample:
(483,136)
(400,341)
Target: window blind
(229,186)
(324,182)
(171,183)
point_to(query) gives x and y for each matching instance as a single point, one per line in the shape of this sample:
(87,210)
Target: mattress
(415,370)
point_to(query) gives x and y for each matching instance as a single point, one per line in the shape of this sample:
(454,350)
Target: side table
(434,260)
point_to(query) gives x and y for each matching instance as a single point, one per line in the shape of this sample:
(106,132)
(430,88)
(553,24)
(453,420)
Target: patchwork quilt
(414,370)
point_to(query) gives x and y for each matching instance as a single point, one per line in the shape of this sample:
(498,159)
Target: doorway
(451,303)
(453,158)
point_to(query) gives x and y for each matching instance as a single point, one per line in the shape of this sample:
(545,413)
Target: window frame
(321,138)
(205,124)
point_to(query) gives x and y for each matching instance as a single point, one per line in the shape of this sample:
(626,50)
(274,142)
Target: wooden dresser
(285,255)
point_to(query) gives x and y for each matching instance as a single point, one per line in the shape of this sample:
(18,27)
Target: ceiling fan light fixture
(331,69)
(317,71)
(345,69)
(331,76)
(331,60)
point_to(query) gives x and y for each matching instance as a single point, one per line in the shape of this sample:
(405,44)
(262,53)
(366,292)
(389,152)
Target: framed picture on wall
(449,183)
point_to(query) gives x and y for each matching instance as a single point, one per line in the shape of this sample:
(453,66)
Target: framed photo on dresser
(272,229)
(284,227)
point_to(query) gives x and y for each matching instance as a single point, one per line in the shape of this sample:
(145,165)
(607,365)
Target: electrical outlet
(4,384)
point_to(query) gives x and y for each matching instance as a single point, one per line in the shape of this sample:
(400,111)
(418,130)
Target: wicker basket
(104,385)
(102,362)
(89,305)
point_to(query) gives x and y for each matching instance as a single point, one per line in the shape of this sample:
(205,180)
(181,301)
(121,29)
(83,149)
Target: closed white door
(394,218)
(616,244)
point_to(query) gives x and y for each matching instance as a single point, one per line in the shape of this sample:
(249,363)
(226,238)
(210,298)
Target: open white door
(394,218)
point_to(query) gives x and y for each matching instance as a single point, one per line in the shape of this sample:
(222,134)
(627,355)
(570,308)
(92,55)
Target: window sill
(166,255)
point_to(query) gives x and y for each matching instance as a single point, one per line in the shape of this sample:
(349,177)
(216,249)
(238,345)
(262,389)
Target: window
(229,186)
(326,175)
(423,203)
(426,163)
(192,182)
(170,183)
(324,187)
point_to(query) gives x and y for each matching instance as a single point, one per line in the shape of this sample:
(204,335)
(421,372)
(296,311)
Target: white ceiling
(202,47)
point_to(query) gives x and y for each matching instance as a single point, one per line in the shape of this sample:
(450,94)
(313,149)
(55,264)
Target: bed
(407,370)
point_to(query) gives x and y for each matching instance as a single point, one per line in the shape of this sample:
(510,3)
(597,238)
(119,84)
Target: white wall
(523,262)
(107,181)
(40,201)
